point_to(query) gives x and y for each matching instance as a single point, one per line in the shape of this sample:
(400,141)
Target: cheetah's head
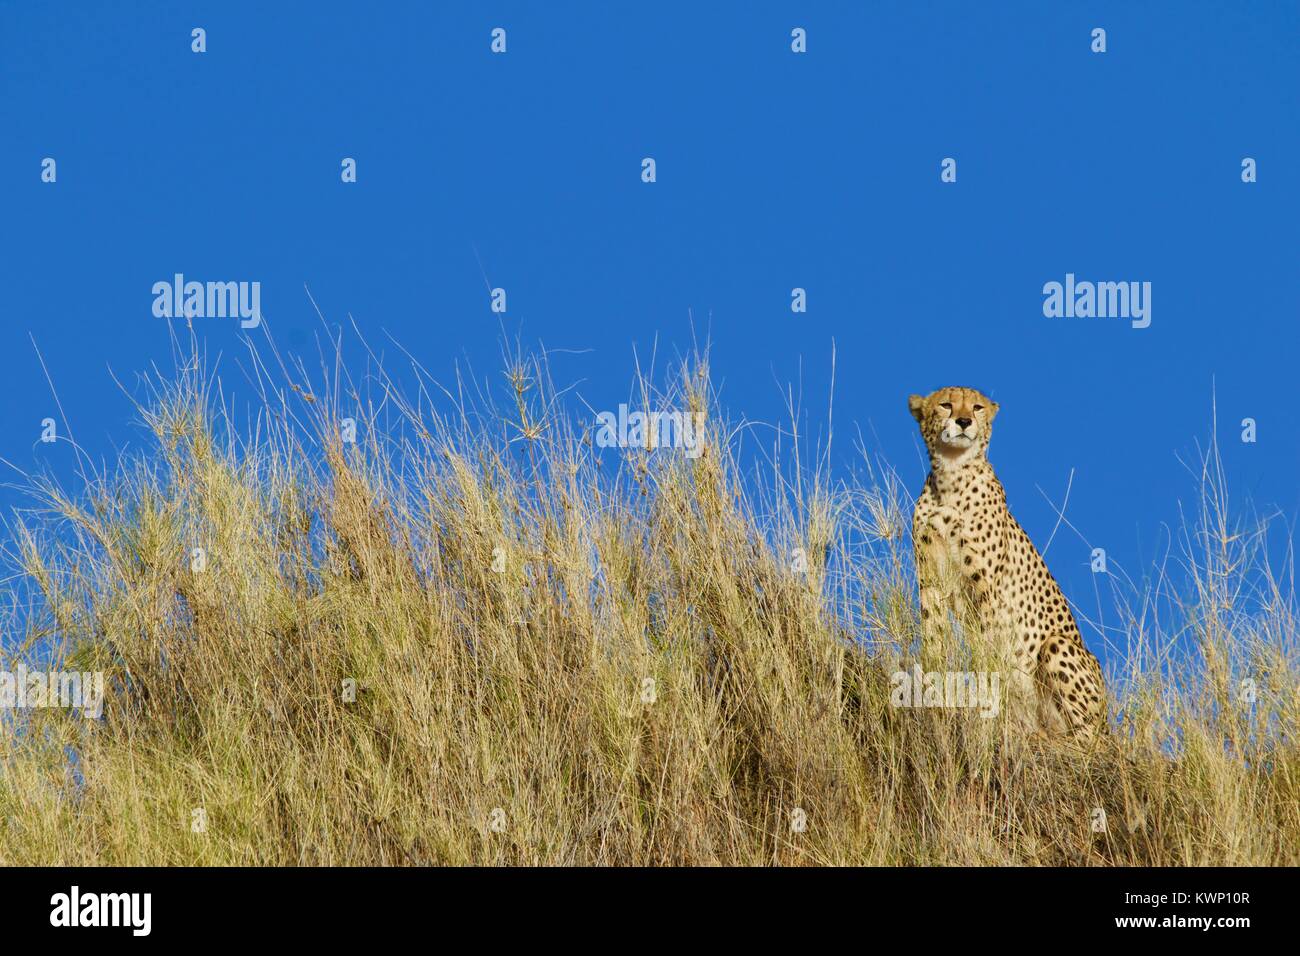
(954,420)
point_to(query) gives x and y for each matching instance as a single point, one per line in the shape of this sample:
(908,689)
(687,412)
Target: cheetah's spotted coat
(973,559)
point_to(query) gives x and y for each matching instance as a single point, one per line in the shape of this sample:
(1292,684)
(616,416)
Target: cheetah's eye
(979,408)
(947,405)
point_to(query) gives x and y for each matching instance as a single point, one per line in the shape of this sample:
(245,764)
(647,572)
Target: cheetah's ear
(993,410)
(916,405)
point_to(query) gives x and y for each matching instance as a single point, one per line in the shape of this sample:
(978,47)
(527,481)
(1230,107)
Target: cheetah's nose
(963,422)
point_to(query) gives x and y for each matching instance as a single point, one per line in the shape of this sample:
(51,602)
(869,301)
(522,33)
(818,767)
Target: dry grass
(501,591)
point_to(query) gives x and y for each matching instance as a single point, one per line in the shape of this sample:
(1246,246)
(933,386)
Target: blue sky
(775,170)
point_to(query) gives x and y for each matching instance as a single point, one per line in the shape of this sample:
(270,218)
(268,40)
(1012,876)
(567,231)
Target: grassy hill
(480,638)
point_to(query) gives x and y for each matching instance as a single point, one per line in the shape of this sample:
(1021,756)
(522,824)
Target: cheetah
(975,560)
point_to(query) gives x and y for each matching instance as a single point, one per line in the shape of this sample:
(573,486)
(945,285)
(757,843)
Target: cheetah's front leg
(935,533)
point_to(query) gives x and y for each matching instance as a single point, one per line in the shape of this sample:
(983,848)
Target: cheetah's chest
(967,526)
(982,525)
